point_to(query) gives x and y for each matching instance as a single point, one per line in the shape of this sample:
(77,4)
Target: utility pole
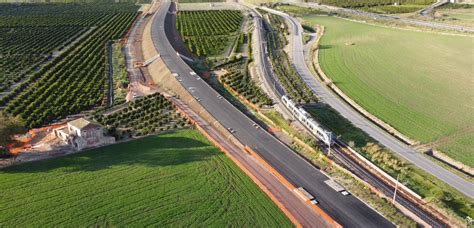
(396,188)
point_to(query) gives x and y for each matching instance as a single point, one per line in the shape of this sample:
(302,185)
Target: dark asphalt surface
(347,210)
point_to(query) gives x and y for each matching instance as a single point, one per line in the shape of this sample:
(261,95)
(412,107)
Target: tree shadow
(325,46)
(339,125)
(152,151)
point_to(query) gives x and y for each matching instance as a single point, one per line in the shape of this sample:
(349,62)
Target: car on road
(314,202)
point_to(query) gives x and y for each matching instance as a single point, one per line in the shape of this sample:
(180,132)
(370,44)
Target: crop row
(208,32)
(206,46)
(238,77)
(23,48)
(246,87)
(294,86)
(201,23)
(72,82)
(143,116)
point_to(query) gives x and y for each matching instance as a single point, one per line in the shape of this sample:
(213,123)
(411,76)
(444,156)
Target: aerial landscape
(237,113)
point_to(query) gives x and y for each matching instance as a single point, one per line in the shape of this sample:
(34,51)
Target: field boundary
(314,59)
(326,80)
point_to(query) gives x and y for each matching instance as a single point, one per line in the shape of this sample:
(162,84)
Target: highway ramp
(347,210)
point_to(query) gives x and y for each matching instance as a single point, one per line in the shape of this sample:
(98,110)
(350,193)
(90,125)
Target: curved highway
(346,210)
(361,122)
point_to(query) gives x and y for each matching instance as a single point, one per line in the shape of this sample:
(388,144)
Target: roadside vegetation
(295,10)
(153,181)
(312,152)
(120,75)
(391,9)
(146,115)
(75,80)
(208,33)
(403,66)
(367,3)
(238,77)
(434,191)
(277,31)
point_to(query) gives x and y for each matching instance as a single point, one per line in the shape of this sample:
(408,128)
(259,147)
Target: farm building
(82,133)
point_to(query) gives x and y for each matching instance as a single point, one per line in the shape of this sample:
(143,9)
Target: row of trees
(24,48)
(294,86)
(367,3)
(207,33)
(238,77)
(146,115)
(72,82)
(213,22)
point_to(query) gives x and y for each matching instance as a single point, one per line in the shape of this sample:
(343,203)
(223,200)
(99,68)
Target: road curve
(346,210)
(361,122)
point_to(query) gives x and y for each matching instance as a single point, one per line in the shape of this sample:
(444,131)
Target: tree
(9,126)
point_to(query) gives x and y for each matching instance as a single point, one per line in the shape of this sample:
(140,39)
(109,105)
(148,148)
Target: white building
(82,133)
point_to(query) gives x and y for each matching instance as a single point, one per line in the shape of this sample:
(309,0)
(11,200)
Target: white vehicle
(346,193)
(314,202)
(192,73)
(305,118)
(232,131)
(175,74)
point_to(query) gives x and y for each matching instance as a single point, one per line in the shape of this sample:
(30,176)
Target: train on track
(327,137)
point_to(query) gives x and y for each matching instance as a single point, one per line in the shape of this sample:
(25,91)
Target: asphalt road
(389,141)
(347,210)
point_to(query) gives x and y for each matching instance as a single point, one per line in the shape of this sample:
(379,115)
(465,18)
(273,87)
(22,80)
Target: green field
(420,83)
(154,181)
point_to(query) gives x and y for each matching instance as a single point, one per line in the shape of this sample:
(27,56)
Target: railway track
(342,156)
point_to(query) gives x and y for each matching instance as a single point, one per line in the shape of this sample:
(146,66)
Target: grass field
(154,181)
(420,83)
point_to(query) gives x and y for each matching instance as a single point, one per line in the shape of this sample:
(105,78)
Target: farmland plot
(208,33)
(75,80)
(172,180)
(420,83)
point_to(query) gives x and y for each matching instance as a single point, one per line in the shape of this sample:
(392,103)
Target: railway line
(357,119)
(344,156)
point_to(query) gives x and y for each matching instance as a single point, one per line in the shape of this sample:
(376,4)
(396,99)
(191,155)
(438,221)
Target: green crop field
(73,81)
(420,83)
(208,33)
(153,181)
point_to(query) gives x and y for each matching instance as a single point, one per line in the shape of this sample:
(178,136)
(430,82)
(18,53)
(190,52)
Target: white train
(306,119)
